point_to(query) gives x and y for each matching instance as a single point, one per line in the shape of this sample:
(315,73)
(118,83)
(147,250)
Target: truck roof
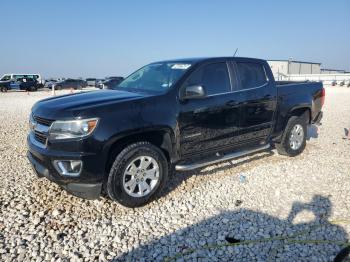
(203,59)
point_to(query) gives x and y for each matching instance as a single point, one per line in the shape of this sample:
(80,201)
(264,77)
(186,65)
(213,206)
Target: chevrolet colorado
(179,114)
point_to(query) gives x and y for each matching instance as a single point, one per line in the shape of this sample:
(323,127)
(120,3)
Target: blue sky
(75,38)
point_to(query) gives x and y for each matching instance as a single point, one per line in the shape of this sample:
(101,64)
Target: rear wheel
(294,137)
(138,174)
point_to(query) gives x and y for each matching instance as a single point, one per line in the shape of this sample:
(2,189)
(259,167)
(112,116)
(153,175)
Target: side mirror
(193,92)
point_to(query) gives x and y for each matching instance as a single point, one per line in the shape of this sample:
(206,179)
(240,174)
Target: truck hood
(70,105)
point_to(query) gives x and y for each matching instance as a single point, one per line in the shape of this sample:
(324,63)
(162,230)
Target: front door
(209,123)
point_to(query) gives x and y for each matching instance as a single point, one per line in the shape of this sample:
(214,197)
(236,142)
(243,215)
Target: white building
(332,71)
(290,70)
(283,68)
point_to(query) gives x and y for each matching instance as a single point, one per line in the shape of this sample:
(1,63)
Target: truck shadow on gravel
(306,234)
(312,132)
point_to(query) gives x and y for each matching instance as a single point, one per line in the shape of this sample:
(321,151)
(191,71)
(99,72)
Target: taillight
(323,96)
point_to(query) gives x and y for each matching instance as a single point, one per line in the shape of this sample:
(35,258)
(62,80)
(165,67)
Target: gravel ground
(257,197)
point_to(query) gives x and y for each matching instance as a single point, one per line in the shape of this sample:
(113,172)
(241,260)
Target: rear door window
(252,75)
(213,77)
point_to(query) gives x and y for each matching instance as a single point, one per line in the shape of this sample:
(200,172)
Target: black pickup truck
(171,115)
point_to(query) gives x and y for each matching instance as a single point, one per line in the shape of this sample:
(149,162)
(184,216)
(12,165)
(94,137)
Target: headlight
(72,128)
(31,122)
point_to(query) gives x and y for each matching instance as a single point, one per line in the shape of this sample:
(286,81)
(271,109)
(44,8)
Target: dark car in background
(29,84)
(20,82)
(110,82)
(71,83)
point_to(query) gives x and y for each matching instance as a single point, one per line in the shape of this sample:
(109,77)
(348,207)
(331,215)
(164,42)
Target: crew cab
(171,115)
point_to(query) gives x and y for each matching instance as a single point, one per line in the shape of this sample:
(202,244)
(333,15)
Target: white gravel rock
(261,196)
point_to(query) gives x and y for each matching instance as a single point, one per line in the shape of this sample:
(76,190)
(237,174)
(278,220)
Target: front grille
(40,137)
(43,121)
(41,128)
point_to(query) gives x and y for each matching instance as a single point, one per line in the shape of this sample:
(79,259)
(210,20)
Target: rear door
(258,101)
(209,123)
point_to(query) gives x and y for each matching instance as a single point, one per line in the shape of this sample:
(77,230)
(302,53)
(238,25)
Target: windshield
(154,78)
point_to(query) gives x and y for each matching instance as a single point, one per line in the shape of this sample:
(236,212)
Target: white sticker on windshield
(181,66)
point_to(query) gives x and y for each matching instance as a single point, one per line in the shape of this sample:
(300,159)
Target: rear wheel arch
(304,112)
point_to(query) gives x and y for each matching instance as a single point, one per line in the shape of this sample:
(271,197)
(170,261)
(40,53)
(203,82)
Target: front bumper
(83,186)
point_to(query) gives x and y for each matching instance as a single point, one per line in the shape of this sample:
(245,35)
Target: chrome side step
(222,158)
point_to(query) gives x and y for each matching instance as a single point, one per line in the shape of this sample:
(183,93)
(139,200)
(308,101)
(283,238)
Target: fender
(168,140)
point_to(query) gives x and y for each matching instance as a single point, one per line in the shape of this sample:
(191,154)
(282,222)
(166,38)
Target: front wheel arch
(161,138)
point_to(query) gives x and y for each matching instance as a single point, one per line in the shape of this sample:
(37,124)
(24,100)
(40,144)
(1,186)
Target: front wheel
(294,137)
(138,174)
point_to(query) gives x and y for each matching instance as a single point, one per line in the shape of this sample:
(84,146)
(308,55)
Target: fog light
(68,167)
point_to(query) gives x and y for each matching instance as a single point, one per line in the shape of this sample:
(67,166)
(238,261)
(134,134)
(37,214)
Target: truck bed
(306,93)
(290,82)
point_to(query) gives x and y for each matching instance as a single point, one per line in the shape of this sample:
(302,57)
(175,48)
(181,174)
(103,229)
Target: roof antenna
(235,52)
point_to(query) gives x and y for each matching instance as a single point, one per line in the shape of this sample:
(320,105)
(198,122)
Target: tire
(58,87)
(127,162)
(286,147)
